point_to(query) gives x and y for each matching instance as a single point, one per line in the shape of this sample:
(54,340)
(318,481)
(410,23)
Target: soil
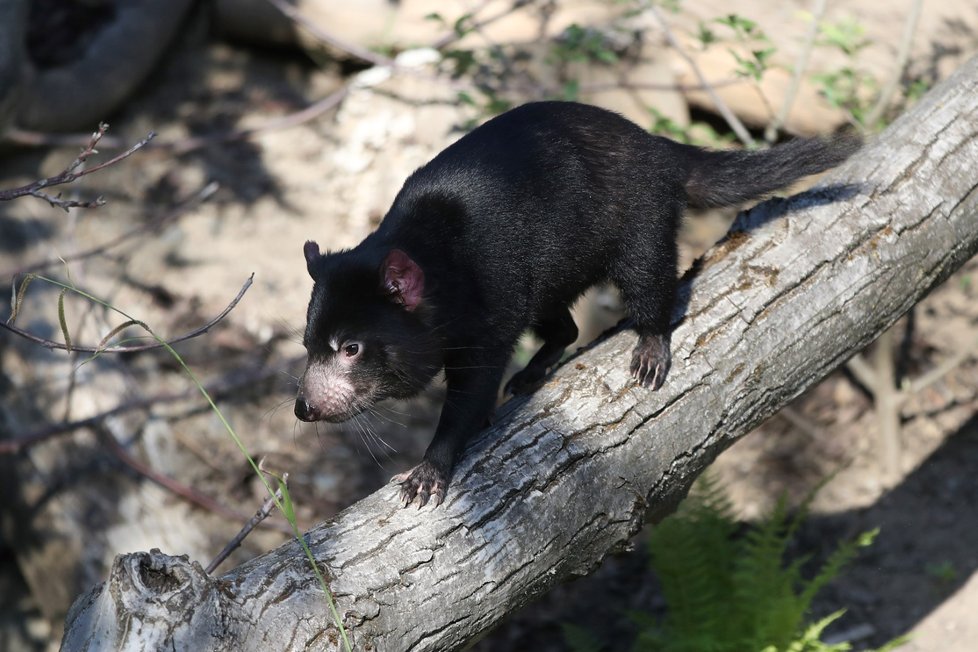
(916,578)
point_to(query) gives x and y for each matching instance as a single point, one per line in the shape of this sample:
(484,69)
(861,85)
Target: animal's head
(366,335)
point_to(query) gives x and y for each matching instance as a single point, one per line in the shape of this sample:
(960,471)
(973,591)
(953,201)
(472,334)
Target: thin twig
(937,373)
(801,422)
(887,400)
(72,173)
(771,132)
(735,124)
(863,372)
(321,106)
(51,344)
(903,55)
(259,516)
(155,224)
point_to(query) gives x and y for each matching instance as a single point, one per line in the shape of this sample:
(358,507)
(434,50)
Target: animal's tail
(726,178)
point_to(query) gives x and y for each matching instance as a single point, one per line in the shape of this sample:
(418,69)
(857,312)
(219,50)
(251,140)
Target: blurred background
(276,122)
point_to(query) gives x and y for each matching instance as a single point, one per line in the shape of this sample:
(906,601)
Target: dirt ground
(918,577)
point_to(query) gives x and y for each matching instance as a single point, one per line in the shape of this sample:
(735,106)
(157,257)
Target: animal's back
(539,198)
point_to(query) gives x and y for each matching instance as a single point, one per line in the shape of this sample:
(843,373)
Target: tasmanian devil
(503,231)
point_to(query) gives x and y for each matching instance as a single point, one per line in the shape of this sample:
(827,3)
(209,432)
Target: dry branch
(569,474)
(73,173)
(130,348)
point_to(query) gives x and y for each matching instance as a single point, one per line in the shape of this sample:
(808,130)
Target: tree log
(572,472)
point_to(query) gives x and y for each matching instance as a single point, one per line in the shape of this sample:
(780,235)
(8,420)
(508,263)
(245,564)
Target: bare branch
(735,124)
(72,173)
(771,132)
(937,373)
(51,344)
(259,516)
(863,372)
(906,41)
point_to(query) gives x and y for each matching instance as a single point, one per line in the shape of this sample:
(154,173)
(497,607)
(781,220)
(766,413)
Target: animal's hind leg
(646,276)
(557,330)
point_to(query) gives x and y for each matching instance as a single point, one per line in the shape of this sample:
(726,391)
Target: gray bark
(569,474)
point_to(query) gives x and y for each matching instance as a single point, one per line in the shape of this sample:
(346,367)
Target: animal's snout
(303,411)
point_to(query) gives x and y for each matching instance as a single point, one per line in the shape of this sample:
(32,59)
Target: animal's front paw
(424,482)
(651,360)
(526,380)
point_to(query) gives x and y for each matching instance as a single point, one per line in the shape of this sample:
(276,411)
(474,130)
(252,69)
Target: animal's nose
(302,410)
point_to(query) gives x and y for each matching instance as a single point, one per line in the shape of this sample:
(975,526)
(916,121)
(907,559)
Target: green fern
(732,594)
(692,555)
(728,594)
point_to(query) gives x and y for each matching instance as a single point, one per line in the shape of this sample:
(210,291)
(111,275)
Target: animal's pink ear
(311,251)
(402,279)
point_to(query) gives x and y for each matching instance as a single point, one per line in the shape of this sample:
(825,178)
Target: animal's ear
(402,279)
(311,251)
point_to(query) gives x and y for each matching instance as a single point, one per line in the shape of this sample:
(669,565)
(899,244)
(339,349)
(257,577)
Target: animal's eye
(351,349)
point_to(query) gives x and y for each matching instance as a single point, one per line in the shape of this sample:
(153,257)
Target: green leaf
(62,320)
(730,593)
(705,35)
(288,509)
(744,27)
(118,329)
(463,25)
(845,35)
(17,296)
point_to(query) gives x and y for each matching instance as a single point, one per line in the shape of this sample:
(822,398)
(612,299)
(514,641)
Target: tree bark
(571,473)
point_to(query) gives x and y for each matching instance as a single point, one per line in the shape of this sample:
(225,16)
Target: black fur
(510,225)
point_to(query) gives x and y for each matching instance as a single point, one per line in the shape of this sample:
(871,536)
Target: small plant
(755,63)
(730,593)
(848,87)
(583,45)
